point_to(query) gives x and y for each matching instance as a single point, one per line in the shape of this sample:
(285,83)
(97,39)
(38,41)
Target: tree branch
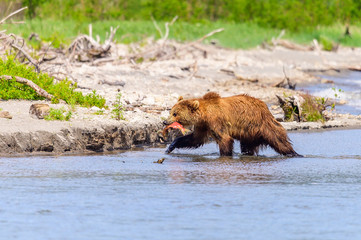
(32,60)
(37,89)
(12,14)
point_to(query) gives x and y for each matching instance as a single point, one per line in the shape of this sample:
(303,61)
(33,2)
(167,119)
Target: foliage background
(289,14)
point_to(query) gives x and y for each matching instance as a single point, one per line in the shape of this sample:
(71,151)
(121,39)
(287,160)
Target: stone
(94,109)
(39,110)
(5,114)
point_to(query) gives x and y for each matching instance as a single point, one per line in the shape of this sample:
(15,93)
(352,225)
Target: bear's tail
(276,137)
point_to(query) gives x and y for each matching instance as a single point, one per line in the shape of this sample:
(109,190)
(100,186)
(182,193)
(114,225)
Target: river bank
(150,88)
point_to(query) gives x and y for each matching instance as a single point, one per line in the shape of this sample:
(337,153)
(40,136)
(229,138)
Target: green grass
(235,35)
(58,114)
(334,33)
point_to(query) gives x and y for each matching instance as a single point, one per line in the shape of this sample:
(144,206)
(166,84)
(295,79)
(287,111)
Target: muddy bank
(78,140)
(150,88)
(86,132)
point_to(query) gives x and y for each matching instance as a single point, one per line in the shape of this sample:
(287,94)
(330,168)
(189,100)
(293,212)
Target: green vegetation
(99,112)
(289,14)
(235,35)
(312,108)
(247,23)
(61,90)
(58,114)
(309,109)
(337,93)
(118,111)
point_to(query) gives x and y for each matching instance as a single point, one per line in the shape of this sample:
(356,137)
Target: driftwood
(355,68)
(84,48)
(239,77)
(286,44)
(37,89)
(161,51)
(285,83)
(112,83)
(195,44)
(207,36)
(31,60)
(293,46)
(292,107)
(4,38)
(165,51)
(12,14)
(15,42)
(304,107)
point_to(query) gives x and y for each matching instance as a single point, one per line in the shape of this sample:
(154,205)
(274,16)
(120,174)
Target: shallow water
(193,195)
(346,86)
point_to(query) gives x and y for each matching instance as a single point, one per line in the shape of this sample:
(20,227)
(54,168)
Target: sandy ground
(150,88)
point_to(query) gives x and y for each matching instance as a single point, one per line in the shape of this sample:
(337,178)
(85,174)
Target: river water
(194,194)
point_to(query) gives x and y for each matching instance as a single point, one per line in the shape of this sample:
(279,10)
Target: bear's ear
(180,98)
(194,105)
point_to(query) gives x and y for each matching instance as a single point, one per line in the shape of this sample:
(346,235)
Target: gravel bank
(149,89)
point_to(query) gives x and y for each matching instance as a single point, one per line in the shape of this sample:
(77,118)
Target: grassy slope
(235,35)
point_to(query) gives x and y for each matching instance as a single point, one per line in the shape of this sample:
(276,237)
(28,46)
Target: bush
(58,114)
(62,90)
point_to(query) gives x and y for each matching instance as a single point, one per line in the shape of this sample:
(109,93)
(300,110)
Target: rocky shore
(150,88)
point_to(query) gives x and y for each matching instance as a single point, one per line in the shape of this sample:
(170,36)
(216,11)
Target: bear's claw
(171,147)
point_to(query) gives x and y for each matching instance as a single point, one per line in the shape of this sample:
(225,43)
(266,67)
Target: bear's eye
(174,114)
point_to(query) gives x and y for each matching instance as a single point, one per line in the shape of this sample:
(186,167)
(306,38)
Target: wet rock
(39,110)
(5,114)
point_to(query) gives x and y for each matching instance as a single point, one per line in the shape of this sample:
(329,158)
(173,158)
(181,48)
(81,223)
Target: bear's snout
(165,122)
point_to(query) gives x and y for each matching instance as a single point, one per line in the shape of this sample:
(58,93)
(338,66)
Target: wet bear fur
(224,120)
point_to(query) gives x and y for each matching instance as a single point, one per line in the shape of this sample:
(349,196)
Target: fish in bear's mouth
(174,125)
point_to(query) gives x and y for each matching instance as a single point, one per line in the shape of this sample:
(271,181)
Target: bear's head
(185,112)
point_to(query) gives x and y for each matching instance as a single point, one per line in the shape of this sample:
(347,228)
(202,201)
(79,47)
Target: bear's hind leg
(250,148)
(279,141)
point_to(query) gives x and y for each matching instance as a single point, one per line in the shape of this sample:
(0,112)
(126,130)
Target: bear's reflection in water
(212,169)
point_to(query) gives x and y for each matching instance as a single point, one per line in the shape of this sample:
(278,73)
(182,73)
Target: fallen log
(37,89)
(290,45)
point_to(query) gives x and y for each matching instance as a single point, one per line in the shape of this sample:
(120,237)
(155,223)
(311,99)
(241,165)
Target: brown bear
(240,117)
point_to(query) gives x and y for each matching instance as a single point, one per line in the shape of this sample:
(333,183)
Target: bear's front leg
(224,141)
(193,140)
(226,147)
